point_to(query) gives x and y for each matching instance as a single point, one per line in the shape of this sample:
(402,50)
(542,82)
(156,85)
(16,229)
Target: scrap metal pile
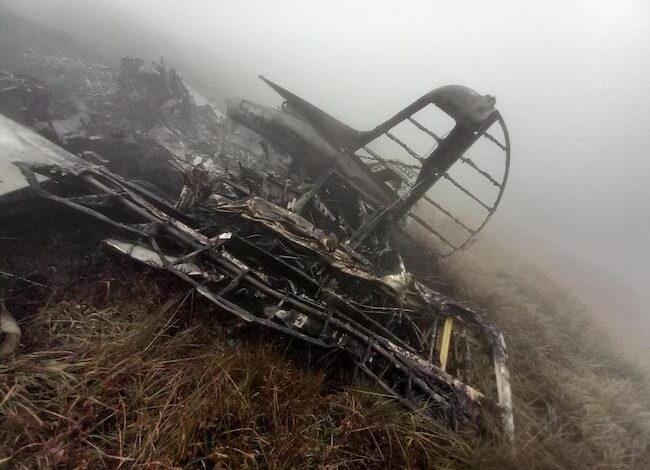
(286,218)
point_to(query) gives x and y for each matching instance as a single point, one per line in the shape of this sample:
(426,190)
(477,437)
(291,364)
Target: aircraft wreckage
(290,219)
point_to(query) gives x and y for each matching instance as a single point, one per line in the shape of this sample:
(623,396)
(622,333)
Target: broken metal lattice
(288,300)
(291,221)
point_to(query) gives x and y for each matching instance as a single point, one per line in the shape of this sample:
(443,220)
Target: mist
(572,80)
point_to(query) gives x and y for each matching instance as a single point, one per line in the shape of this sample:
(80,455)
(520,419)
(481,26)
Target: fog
(572,80)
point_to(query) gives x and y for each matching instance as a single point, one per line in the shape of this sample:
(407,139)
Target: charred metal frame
(317,315)
(309,134)
(322,259)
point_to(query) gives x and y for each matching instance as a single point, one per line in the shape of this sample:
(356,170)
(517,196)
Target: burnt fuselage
(321,143)
(302,141)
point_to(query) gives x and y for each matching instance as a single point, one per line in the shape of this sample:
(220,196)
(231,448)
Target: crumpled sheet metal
(289,225)
(140,117)
(151,257)
(19,143)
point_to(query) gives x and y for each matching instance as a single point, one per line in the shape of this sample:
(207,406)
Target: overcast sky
(572,79)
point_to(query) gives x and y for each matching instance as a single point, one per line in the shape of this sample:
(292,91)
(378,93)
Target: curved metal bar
(501,190)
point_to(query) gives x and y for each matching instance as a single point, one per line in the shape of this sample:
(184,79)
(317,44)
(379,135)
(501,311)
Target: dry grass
(133,385)
(133,379)
(578,404)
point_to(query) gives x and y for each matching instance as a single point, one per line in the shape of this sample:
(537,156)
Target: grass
(137,376)
(132,385)
(578,404)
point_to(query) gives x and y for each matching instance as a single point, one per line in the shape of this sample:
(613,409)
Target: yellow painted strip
(444,342)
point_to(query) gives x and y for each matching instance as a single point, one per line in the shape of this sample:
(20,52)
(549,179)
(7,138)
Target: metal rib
(407,168)
(447,213)
(410,151)
(365,147)
(388,161)
(432,230)
(424,129)
(494,139)
(459,186)
(471,163)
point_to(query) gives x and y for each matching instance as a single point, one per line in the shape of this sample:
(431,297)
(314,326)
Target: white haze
(572,79)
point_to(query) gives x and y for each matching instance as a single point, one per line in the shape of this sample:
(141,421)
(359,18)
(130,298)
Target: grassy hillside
(578,404)
(127,369)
